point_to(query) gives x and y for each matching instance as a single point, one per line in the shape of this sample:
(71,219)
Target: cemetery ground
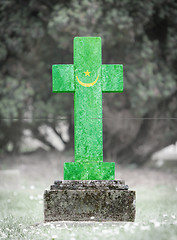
(24,178)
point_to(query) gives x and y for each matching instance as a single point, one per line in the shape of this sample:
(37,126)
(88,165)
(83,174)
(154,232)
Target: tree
(141,35)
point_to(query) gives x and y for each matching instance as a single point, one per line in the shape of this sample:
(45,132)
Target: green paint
(88,78)
(89,171)
(60,73)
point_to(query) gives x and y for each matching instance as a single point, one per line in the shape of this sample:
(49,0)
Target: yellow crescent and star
(87,73)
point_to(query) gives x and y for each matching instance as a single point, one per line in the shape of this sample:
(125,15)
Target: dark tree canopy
(139,34)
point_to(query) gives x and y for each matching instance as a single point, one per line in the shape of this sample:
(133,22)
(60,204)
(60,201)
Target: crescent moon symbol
(87,84)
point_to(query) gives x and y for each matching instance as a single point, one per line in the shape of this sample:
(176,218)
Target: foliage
(141,35)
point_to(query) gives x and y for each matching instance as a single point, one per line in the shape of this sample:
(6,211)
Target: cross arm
(63,78)
(112,78)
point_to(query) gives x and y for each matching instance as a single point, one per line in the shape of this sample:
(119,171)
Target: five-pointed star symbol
(87,73)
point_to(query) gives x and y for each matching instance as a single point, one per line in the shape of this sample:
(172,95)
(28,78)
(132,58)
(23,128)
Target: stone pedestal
(89,200)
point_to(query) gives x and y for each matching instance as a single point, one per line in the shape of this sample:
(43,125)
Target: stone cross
(88,78)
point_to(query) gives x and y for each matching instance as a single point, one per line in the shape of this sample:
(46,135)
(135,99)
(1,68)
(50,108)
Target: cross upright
(88,78)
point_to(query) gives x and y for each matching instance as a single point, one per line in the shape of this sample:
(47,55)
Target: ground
(24,178)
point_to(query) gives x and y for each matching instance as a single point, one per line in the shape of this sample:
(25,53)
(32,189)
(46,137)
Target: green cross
(87,78)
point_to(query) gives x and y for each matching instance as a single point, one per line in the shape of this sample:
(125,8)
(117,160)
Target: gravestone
(89,191)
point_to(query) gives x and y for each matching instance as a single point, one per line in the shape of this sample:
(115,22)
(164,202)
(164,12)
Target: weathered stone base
(89,201)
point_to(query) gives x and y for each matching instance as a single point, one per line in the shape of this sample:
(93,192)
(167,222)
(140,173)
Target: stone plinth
(84,200)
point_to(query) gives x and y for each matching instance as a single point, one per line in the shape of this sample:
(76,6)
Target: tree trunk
(156,130)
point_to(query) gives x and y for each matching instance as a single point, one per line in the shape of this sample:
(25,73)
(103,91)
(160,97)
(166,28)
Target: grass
(21,217)
(21,207)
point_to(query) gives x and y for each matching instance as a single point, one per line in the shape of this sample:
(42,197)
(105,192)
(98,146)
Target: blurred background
(141,35)
(140,124)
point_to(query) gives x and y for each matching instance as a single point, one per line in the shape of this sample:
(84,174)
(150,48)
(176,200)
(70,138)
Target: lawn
(21,213)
